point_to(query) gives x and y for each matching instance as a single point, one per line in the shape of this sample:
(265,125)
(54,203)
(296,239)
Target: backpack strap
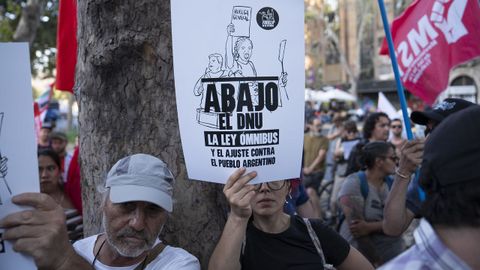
(316,242)
(363,184)
(389,180)
(152,255)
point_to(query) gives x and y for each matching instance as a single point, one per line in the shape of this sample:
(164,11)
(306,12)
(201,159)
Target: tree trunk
(125,89)
(29,21)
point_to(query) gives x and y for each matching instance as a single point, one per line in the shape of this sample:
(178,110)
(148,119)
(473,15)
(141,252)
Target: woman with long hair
(259,235)
(50,175)
(362,199)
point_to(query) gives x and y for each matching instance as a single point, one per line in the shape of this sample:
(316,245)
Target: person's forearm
(71,261)
(317,160)
(375,226)
(396,217)
(227,252)
(334,135)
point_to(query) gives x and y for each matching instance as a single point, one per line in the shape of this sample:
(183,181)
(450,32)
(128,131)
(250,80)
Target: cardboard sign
(18,151)
(239,87)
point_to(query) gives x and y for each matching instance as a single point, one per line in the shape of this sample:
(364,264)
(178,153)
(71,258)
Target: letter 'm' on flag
(430,38)
(66,45)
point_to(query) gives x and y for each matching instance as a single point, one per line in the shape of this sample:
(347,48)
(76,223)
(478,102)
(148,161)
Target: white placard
(18,162)
(239,79)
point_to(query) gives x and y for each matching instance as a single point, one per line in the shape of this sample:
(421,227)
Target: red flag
(430,38)
(36,120)
(66,45)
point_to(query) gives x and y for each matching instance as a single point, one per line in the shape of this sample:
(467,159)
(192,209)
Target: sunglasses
(396,126)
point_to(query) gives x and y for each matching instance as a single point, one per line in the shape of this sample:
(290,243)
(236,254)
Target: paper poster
(18,158)
(239,79)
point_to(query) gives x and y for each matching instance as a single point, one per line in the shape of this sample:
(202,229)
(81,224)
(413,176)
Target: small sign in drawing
(3,163)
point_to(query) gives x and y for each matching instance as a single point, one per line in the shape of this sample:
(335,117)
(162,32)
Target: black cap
(47,125)
(452,152)
(440,111)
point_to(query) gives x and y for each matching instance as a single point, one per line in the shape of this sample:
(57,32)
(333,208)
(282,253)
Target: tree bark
(29,21)
(125,89)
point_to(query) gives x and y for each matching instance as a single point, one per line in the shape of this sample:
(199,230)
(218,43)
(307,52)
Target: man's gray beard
(123,250)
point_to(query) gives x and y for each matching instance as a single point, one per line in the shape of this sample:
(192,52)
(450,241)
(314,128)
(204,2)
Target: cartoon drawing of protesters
(237,57)
(3,164)
(213,70)
(237,64)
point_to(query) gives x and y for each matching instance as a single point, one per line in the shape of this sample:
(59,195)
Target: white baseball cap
(141,177)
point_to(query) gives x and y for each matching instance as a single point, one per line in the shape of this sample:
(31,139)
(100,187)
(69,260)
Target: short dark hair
(396,120)
(350,125)
(456,205)
(50,153)
(311,119)
(371,151)
(370,122)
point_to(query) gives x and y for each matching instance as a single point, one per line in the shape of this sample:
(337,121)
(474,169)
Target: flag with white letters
(430,38)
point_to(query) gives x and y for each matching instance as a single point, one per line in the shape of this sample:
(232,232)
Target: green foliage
(9,15)
(42,50)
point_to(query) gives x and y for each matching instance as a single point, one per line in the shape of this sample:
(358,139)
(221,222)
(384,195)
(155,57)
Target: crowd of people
(381,182)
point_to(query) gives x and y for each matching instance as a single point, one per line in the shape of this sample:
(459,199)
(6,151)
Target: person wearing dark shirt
(376,128)
(259,235)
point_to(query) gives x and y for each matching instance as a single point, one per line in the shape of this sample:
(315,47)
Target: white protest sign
(239,79)
(18,158)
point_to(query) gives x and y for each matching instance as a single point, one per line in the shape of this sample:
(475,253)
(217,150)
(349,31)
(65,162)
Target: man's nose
(137,220)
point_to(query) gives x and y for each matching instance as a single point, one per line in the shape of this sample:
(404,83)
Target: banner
(430,38)
(66,45)
(239,79)
(18,150)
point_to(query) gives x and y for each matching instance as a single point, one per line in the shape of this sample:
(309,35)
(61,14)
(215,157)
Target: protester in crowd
(376,128)
(315,147)
(51,182)
(309,110)
(43,139)
(259,235)
(333,136)
(449,233)
(396,129)
(342,152)
(136,200)
(405,199)
(59,143)
(362,198)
